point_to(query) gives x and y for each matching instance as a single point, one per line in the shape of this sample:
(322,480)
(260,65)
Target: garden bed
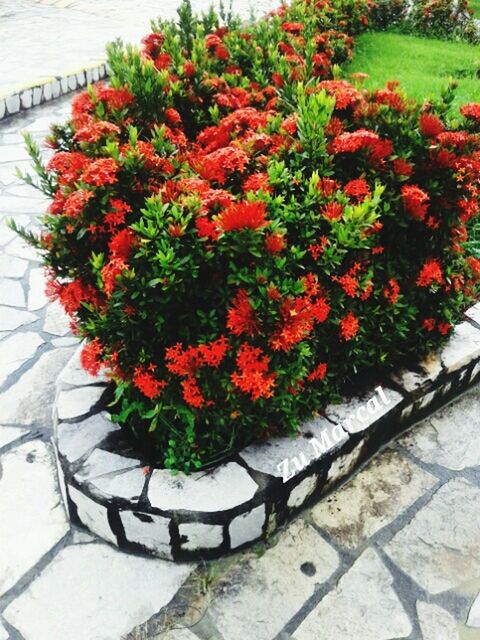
(109,489)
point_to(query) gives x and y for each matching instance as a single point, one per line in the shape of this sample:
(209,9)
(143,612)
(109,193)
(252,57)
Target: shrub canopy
(236,231)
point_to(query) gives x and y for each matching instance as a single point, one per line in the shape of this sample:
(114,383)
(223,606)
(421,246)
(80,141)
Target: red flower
(191,393)
(241,316)
(94,131)
(76,202)
(146,382)
(101,172)
(257,182)
(318,373)
(220,164)
(429,324)
(252,376)
(430,125)
(110,272)
(391,291)
(275,242)
(172,117)
(121,244)
(349,326)
(243,215)
(90,357)
(444,328)
(430,272)
(163,61)
(357,189)
(189,69)
(332,211)
(415,201)
(206,228)
(293,27)
(471,111)
(402,167)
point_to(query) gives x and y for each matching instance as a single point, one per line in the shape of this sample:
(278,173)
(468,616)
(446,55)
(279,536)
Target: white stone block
(26,98)
(200,536)
(37,96)
(227,486)
(462,348)
(13,104)
(92,514)
(247,527)
(75,403)
(302,491)
(151,531)
(74,440)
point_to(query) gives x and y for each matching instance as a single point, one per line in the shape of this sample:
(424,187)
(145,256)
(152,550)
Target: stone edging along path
(32,95)
(107,488)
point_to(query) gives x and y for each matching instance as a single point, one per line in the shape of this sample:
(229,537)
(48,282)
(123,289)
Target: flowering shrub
(236,233)
(450,19)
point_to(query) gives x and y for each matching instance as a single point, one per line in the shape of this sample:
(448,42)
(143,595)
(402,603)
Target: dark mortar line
(13,633)
(439,471)
(25,581)
(30,436)
(409,592)
(15,376)
(349,557)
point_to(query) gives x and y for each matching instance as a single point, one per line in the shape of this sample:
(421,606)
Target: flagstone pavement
(394,553)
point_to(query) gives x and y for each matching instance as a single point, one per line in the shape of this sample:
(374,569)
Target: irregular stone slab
(462,347)
(20,249)
(57,321)
(450,436)
(359,413)
(436,623)
(32,516)
(75,375)
(372,499)
(302,491)
(177,634)
(11,319)
(16,350)
(363,602)
(415,381)
(273,587)
(474,614)
(92,514)
(151,531)
(227,486)
(436,554)
(317,438)
(474,313)
(10,434)
(11,293)
(342,466)
(36,290)
(74,440)
(11,267)
(29,401)
(247,526)
(100,462)
(76,403)
(125,484)
(196,535)
(100,593)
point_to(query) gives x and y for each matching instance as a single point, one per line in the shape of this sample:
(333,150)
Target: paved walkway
(393,554)
(44,38)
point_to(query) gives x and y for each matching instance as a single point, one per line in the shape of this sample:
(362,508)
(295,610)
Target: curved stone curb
(32,95)
(107,488)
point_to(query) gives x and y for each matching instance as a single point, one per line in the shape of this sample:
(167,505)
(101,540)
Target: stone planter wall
(107,488)
(29,96)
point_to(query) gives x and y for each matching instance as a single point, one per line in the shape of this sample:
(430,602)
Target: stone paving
(45,38)
(394,553)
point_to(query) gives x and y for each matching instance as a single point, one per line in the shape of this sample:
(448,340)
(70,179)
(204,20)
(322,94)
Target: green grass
(475,5)
(421,65)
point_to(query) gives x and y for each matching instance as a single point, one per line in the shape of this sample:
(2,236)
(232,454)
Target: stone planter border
(108,489)
(27,96)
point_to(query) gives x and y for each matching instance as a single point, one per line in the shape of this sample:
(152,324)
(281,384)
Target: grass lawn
(475,5)
(421,65)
